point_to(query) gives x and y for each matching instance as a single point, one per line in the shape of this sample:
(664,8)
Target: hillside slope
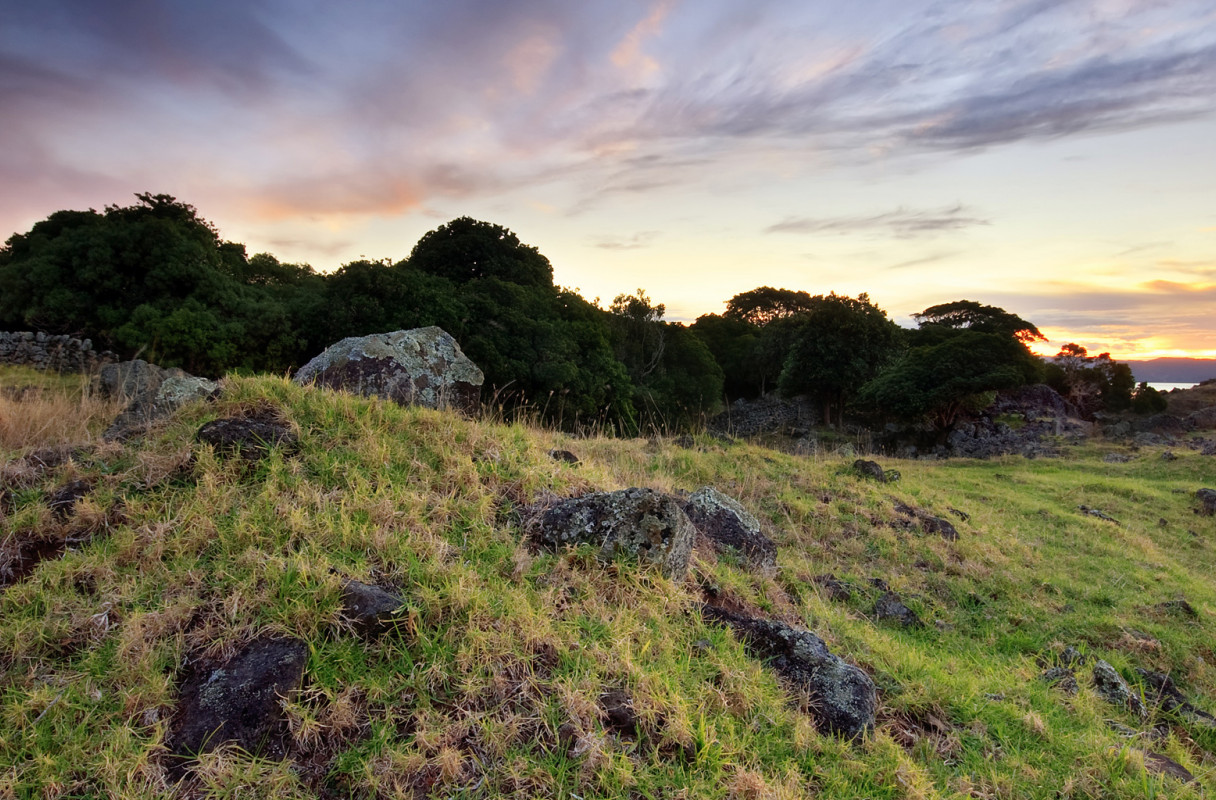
(513,671)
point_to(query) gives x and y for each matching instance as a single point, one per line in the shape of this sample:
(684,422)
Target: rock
(564,456)
(843,698)
(1062,678)
(1114,689)
(157,396)
(1207,501)
(127,380)
(423,366)
(870,469)
(1179,607)
(942,527)
(1093,512)
(1072,657)
(1116,458)
(891,606)
(769,414)
(1164,765)
(1168,455)
(240,702)
(639,524)
(616,707)
(249,437)
(370,609)
(836,589)
(1202,418)
(64,499)
(728,525)
(1171,699)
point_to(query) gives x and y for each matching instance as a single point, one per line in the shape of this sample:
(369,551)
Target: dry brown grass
(47,410)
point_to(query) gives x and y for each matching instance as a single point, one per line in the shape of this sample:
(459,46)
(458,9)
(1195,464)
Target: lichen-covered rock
(370,609)
(639,524)
(127,380)
(157,394)
(728,525)
(423,366)
(1114,689)
(842,697)
(240,701)
(1171,699)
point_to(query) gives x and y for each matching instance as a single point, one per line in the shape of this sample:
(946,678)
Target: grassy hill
(493,682)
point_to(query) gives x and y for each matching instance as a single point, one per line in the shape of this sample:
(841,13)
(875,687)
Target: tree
(839,345)
(732,342)
(1091,383)
(466,249)
(675,377)
(764,304)
(938,382)
(1148,400)
(970,315)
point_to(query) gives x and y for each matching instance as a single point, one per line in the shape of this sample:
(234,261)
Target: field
(492,683)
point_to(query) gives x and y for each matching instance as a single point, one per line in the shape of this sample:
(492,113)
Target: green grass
(489,687)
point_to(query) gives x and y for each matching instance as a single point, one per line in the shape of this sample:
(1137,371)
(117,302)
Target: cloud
(635,242)
(902,223)
(1172,315)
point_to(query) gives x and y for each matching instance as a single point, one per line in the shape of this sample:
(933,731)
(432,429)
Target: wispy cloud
(637,241)
(902,223)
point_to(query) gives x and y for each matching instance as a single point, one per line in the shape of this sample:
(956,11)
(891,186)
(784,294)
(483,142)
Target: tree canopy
(970,315)
(838,345)
(764,304)
(466,249)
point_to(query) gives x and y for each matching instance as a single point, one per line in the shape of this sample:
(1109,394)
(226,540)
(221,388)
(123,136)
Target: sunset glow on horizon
(1054,159)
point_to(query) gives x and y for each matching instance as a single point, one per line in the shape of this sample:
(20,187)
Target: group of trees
(157,279)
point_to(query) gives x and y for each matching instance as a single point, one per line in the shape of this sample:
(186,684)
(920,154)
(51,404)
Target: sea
(1167,387)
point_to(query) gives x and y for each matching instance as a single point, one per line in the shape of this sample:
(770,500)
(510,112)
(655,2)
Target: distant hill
(1174,370)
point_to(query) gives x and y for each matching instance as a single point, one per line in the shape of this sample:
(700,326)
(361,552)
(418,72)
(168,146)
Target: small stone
(870,469)
(1207,500)
(564,456)
(891,606)
(1061,678)
(1114,689)
(370,609)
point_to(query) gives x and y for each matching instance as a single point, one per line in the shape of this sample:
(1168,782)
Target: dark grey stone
(249,437)
(842,697)
(370,609)
(1114,689)
(240,702)
(729,526)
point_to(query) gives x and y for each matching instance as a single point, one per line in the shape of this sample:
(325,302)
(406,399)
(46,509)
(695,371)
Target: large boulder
(423,366)
(241,701)
(154,394)
(729,526)
(128,379)
(639,524)
(842,697)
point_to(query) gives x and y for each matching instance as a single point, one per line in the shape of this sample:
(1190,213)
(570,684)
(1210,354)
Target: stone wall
(46,351)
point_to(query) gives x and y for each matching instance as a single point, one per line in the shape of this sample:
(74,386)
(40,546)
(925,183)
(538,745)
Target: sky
(1056,158)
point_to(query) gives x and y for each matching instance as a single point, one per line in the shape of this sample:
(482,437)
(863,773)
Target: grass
(490,687)
(45,409)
